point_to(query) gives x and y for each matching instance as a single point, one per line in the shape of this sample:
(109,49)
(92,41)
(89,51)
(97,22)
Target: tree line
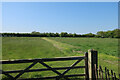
(100,34)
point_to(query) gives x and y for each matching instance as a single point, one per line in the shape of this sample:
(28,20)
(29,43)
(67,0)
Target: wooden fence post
(93,64)
(86,66)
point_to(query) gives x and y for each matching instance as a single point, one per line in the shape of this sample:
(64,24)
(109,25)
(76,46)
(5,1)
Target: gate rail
(41,61)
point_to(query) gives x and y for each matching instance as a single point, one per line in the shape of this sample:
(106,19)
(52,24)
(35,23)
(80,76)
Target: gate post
(92,64)
(86,66)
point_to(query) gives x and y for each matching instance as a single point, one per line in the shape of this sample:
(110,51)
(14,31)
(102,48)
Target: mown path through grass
(109,61)
(67,49)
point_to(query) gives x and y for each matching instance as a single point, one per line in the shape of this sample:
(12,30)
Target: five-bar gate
(90,67)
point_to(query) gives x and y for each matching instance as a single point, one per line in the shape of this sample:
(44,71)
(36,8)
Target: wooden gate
(42,61)
(90,61)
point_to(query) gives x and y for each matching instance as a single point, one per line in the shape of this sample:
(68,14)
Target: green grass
(35,47)
(24,48)
(107,49)
(107,46)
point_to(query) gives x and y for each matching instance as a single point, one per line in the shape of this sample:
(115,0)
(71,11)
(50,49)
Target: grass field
(35,47)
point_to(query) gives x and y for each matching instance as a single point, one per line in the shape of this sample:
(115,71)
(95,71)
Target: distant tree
(89,35)
(57,35)
(0,34)
(108,34)
(116,33)
(52,34)
(34,32)
(63,34)
(101,34)
(69,35)
(74,35)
